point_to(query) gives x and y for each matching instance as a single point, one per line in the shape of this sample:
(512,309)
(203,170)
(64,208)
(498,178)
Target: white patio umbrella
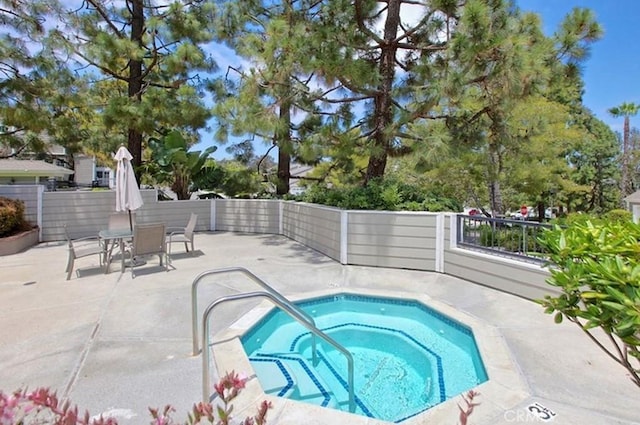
(128,196)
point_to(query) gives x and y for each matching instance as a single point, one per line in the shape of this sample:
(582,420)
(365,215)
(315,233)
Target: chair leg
(192,248)
(186,247)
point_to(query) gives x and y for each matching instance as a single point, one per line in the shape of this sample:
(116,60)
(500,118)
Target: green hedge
(387,195)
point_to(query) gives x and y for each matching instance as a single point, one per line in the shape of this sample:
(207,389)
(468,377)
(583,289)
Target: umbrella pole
(130,222)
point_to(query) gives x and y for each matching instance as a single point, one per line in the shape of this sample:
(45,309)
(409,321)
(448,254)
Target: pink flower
(239,380)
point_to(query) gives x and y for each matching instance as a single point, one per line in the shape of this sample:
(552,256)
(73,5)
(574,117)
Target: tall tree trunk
(624,178)
(283,130)
(283,138)
(135,80)
(383,111)
(495,191)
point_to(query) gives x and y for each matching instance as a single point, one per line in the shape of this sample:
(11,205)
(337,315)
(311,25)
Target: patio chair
(80,248)
(121,221)
(183,234)
(148,239)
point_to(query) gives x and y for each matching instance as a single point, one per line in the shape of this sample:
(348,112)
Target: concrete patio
(116,345)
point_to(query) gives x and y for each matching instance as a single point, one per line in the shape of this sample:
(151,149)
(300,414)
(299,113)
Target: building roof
(634,198)
(31,168)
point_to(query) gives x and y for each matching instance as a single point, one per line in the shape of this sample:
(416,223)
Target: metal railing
(256,279)
(287,307)
(517,239)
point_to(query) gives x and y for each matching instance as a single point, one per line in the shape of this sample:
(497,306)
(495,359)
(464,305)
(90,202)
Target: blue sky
(610,73)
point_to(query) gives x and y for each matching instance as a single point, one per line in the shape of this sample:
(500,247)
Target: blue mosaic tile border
(390,301)
(440,370)
(345,386)
(364,298)
(283,370)
(326,396)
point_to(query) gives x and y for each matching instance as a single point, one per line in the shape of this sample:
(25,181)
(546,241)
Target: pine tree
(149,54)
(37,94)
(383,63)
(263,98)
(625,110)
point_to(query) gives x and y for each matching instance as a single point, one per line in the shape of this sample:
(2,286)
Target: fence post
(212,216)
(453,235)
(281,217)
(344,231)
(439,266)
(39,202)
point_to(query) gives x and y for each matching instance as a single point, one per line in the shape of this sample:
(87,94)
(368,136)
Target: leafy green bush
(487,235)
(596,265)
(618,215)
(387,195)
(11,216)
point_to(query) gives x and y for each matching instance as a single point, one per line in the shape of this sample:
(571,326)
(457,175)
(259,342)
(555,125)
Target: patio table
(114,236)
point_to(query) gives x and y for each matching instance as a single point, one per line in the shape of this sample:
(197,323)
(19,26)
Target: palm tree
(626,110)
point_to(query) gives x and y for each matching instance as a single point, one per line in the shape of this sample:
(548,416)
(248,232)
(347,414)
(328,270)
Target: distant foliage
(612,216)
(387,195)
(618,216)
(11,217)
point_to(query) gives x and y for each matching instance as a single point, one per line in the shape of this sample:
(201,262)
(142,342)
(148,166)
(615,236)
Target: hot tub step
(290,375)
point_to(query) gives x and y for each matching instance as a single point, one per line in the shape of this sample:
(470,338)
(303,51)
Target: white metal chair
(148,239)
(183,234)
(80,248)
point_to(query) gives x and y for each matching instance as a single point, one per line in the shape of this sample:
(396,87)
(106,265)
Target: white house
(633,204)
(29,171)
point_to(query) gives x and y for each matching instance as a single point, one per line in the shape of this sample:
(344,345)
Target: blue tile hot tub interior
(407,356)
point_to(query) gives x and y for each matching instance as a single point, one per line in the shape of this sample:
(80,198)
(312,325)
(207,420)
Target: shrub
(387,195)
(11,217)
(596,265)
(42,406)
(488,235)
(618,215)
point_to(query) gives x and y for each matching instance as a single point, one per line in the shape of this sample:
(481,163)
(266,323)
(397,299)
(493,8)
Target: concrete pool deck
(117,345)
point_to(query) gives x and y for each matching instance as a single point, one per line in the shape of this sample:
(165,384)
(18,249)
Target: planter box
(20,242)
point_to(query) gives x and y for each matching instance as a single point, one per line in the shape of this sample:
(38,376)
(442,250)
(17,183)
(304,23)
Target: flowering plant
(42,406)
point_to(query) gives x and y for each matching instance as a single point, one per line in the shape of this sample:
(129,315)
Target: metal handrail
(256,279)
(286,307)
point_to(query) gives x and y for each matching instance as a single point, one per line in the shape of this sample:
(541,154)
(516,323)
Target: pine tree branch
(102,68)
(106,18)
(263,157)
(347,99)
(12,132)
(348,85)
(362,26)
(404,67)
(429,48)
(15,153)
(416,27)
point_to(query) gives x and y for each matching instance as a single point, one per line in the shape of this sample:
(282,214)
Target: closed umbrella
(128,196)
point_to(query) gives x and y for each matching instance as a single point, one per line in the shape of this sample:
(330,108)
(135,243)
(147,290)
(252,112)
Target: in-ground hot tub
(407,357)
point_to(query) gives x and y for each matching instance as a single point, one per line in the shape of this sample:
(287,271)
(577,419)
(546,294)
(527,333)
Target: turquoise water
(407,357)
